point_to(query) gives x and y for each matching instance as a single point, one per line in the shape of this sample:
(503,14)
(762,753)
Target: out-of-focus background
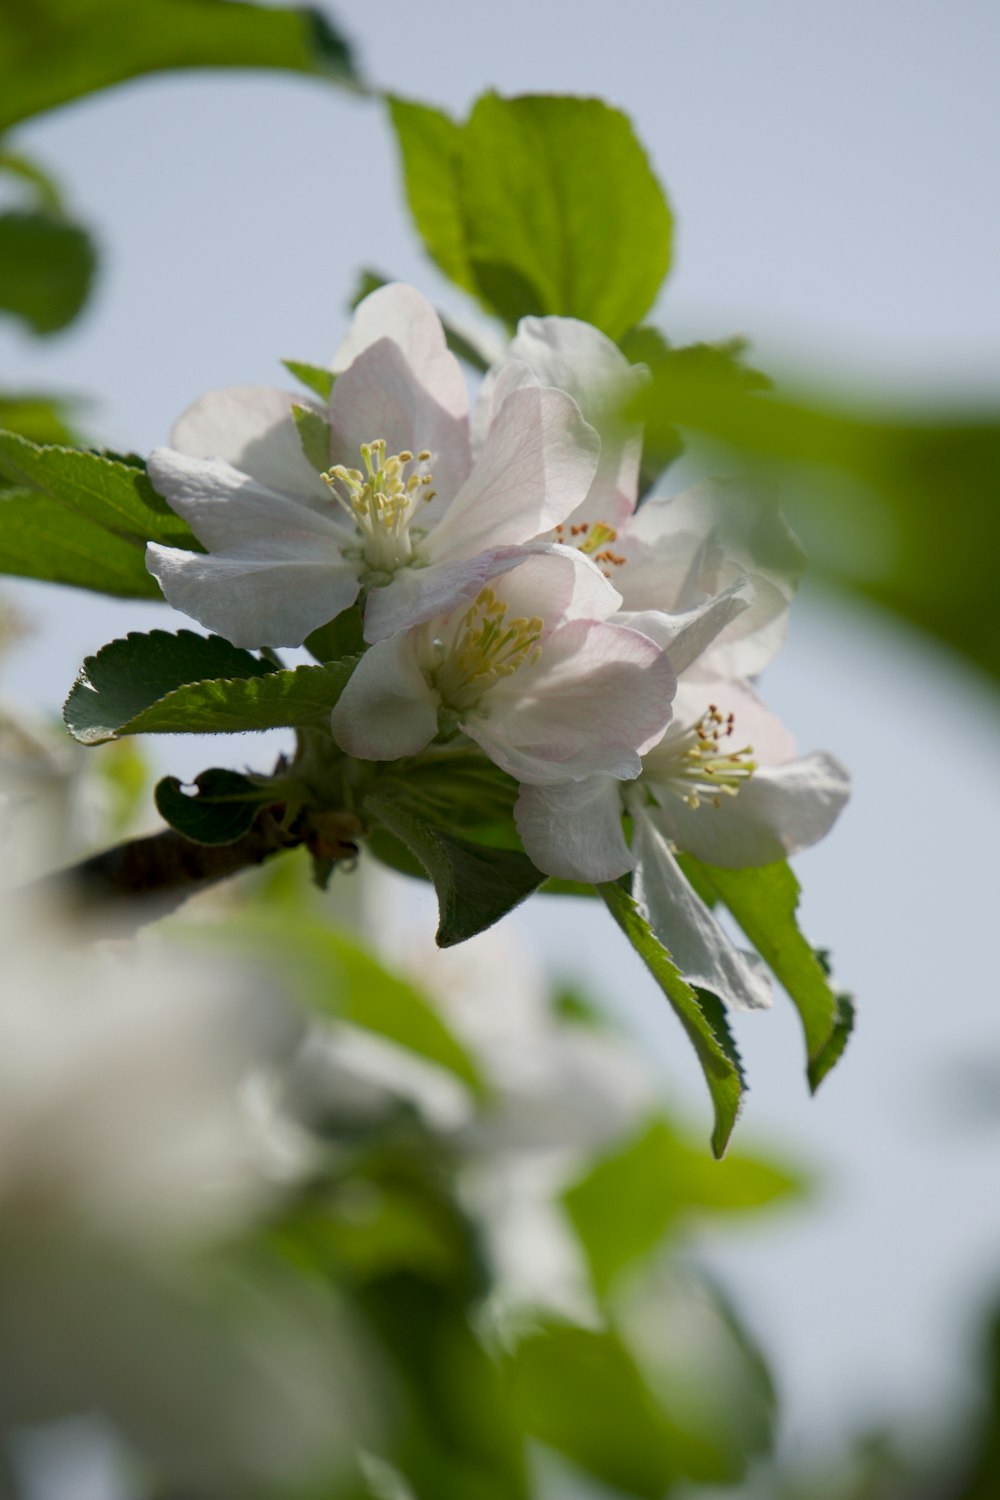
(833,171)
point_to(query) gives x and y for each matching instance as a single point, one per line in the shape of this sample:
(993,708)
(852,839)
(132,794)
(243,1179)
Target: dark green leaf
(222,810)
(764,902)
(632,1197)
(700,1013)
(44,540)
(581,1392)
(430,144)
(475,885)
(314,435)
(343,636)
(106,491)
(315,378)
(129,676)
(143,685)
(562,212)
(47,267)
(52,51)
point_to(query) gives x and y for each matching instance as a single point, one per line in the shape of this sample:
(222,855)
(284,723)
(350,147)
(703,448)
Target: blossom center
(485,648)
(382,500)
(696,766)
(592,538)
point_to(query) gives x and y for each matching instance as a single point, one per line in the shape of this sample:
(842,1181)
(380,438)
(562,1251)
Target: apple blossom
(531,670)
(388,505)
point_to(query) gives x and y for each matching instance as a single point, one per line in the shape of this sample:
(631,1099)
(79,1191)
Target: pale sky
(833,170)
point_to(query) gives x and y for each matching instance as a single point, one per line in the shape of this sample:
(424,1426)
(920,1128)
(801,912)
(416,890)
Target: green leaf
(581,1392)
(40,417)
(764,902)
(700,1013)
(222,810)
(45,191)
(631,1198)
(342,636)
(108,491)
(41,539)
(315,378)
(129,676)
(190,684)
(430,144)
(562,211)
(52,51)
(314,435)
(47,266)
(475,885)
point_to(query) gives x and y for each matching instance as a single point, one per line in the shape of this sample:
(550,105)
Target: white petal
(536,465)
(227,511)
(253,601)
(387,709)
(577,358)
(252,428)
(779,811)
(687,929)
(404,315)
(574,829)
(555,583)
(753,722)
(418,594)
(685,637)
(498,383)
(597,697)
(382,396)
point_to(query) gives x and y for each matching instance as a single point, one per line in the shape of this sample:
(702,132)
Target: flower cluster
(515,592)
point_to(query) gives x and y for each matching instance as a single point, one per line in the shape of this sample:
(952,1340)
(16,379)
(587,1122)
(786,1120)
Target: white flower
(722,784)
(674,553)
(396,508)
(530,670)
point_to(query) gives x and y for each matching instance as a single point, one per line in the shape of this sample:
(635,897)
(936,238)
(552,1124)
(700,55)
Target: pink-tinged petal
(538,461)
(574,829)
(751,642)
(597,697)
(229,512)
(753,722)
(779,811)
(498,383)
(253,601)
(554,584)
(252,428)
(418,594)
(687,929)
(687,636)
(404,315)
(577,358)
(380,396)
(387,710)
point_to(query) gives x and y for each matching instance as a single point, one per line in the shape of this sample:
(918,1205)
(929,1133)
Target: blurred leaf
(190,684)
(912,524)
(764,902)
(631,1198)
(52,51)
(222,810)
(44,189)
(562,211)
(314,435)
(42,539)
(47,267)
(38,417)
(430,144)
(108,491)
(581,1392)
(315,378)
(700,1013)
(475,885)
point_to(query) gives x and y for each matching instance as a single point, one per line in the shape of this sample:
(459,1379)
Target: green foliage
(315,378)
(42,539)
(475,885)
(764,903)
(222,810)
(635,1195)
(37,416)
(52,51)
(581,1392)
(314,435)
(539,204)
(700,1013)
(192,684)
(898,507)
(47,267)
